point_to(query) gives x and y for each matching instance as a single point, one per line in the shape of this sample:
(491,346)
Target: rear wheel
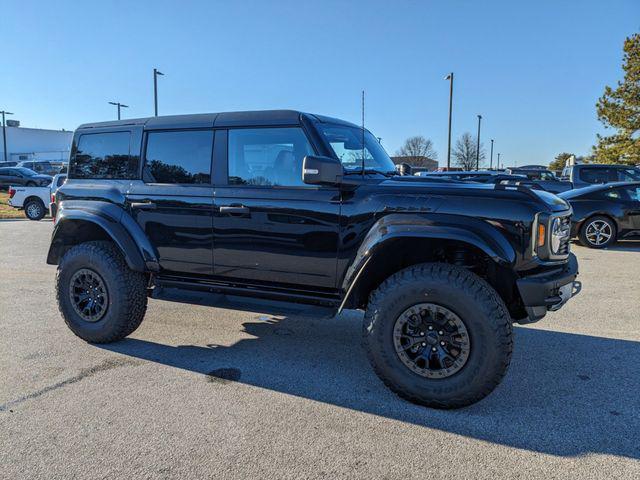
(100,298)
(598,232)
(438,335)
(34,209)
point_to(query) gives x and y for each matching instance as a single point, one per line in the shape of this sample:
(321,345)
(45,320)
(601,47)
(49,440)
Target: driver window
(267,156)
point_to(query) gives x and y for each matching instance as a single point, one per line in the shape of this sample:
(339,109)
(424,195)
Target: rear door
(270,227)
(173,202)
(632,205)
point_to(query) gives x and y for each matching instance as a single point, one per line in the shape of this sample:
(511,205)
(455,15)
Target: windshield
(26,171)
(347,144)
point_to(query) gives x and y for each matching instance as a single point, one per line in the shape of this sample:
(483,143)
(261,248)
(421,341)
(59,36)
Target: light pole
(4,133)
(156,72)
(119,105)
(498,161)
(450,78)
(478,147)
(491,157)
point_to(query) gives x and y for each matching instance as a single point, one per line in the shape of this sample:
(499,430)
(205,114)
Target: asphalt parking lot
(204,392)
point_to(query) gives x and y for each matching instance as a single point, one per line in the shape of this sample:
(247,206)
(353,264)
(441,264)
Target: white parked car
(35,200)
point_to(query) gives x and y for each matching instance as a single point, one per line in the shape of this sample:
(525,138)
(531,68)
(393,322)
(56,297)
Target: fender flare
(118,224)
(472,231)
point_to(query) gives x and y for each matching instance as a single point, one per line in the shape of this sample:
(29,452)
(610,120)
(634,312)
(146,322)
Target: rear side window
(103,155)
(182,157)
(598,175)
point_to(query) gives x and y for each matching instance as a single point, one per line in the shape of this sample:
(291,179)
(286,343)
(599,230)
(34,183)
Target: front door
(270,227)
(174,201)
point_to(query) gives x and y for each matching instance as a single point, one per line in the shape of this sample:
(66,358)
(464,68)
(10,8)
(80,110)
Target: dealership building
(34,143)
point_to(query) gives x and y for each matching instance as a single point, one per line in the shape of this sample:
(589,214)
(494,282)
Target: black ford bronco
(290,207)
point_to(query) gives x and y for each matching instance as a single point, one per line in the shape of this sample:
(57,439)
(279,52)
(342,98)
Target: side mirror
(321,170)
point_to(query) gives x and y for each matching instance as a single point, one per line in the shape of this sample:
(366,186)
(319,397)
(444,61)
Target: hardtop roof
(224,119)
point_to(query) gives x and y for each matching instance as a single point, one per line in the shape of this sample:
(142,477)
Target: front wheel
(100,298)
(438,335)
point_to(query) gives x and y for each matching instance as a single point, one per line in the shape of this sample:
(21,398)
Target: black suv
(288,207)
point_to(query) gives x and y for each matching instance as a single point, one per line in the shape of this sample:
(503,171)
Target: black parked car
(290,207)
(603,214)
(22,176)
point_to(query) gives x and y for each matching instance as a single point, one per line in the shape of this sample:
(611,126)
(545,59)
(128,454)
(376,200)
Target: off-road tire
(127,298)
(582,235)
(473,300)
(34,203)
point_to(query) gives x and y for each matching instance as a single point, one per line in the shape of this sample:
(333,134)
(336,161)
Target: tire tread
(491,303)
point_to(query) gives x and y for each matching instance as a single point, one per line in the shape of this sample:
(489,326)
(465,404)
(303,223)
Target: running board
(248,299)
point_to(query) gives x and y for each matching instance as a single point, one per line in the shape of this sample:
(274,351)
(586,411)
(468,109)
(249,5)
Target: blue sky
(534,70)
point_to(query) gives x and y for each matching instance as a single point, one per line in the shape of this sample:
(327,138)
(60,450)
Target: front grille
(564,243)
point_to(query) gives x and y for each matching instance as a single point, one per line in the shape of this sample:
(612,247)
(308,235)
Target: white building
(36,144)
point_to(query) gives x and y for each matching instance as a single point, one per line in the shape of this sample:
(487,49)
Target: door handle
(144,205)
(234,210)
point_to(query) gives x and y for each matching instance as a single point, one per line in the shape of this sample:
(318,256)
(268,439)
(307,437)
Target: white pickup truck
(35,200)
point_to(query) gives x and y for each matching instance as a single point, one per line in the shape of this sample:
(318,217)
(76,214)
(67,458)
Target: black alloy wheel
(88,294)
(431,340)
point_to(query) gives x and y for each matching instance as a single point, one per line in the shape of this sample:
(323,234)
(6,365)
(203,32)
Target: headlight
(560,228)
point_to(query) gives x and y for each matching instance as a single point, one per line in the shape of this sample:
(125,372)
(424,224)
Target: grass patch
(7,211)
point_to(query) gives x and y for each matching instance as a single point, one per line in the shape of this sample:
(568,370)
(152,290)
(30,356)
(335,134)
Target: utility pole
(4,133)
(156,72)
(491,158)
(478,147)
(118,104)
(450,78)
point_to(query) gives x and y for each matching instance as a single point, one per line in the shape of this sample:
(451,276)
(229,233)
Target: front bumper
(549,290)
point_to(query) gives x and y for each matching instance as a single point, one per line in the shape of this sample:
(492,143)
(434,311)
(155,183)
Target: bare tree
(464,152)
(416,149)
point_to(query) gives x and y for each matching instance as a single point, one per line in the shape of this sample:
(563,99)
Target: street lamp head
(113,103)
(124,106)
(479,117)
(158,72)
(449,76)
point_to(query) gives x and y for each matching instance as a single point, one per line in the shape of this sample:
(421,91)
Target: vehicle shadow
(565,394)
(620,246)
(626,246)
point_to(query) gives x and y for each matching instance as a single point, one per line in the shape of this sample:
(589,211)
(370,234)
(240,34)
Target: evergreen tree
(619,109)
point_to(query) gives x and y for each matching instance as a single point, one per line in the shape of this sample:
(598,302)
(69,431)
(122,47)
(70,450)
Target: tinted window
(267,156)
(103,155)
(598,175)
(179,157)
(61,180)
